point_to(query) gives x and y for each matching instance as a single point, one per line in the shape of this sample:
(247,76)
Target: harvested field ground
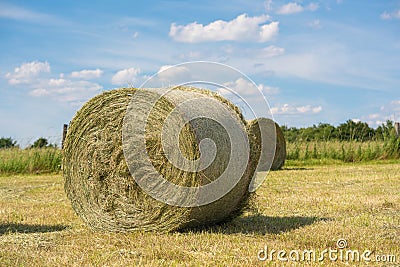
(298,209)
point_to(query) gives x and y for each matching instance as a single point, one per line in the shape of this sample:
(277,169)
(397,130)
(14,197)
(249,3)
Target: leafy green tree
(7,142)
(348,131)
(291,134)
(325,132)
(41,142)
(355,131)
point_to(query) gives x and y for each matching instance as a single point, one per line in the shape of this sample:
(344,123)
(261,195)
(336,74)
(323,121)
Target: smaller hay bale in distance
(267,127)
(100,185)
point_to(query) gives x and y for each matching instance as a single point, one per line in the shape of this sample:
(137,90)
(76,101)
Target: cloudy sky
(315,61)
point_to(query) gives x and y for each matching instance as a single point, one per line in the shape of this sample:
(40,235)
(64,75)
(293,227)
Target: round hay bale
(268,127)
(102,174)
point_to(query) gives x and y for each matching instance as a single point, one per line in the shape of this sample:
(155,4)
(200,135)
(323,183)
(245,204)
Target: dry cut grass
(299,209)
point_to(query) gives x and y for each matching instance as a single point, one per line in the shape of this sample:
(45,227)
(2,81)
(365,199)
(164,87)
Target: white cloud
(269,90)
(87,74)
(287,109)
(66,90)
(290,8)
(293,8)
(125,76)
(268,31)
(57,82)
(390,15)
(167,67)
(39,92)
(242,28)
(168,75)
(317,109)
(27,71)
(30,75)
(385,16)
(244,87)
(173,74)
(271,51)
(241,86)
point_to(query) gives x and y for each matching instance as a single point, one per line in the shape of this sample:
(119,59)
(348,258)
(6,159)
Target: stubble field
(301,211)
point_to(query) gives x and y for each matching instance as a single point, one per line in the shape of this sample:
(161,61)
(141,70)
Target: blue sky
(316,61)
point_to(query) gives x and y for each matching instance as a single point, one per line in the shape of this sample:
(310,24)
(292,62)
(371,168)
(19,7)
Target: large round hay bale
(271,132)
(104,172)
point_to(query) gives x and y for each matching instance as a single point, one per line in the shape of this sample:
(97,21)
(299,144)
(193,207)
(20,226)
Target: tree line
(8,142)
(348,131)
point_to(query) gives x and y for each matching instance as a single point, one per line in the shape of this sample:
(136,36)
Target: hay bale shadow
(261,225)
(6,228)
